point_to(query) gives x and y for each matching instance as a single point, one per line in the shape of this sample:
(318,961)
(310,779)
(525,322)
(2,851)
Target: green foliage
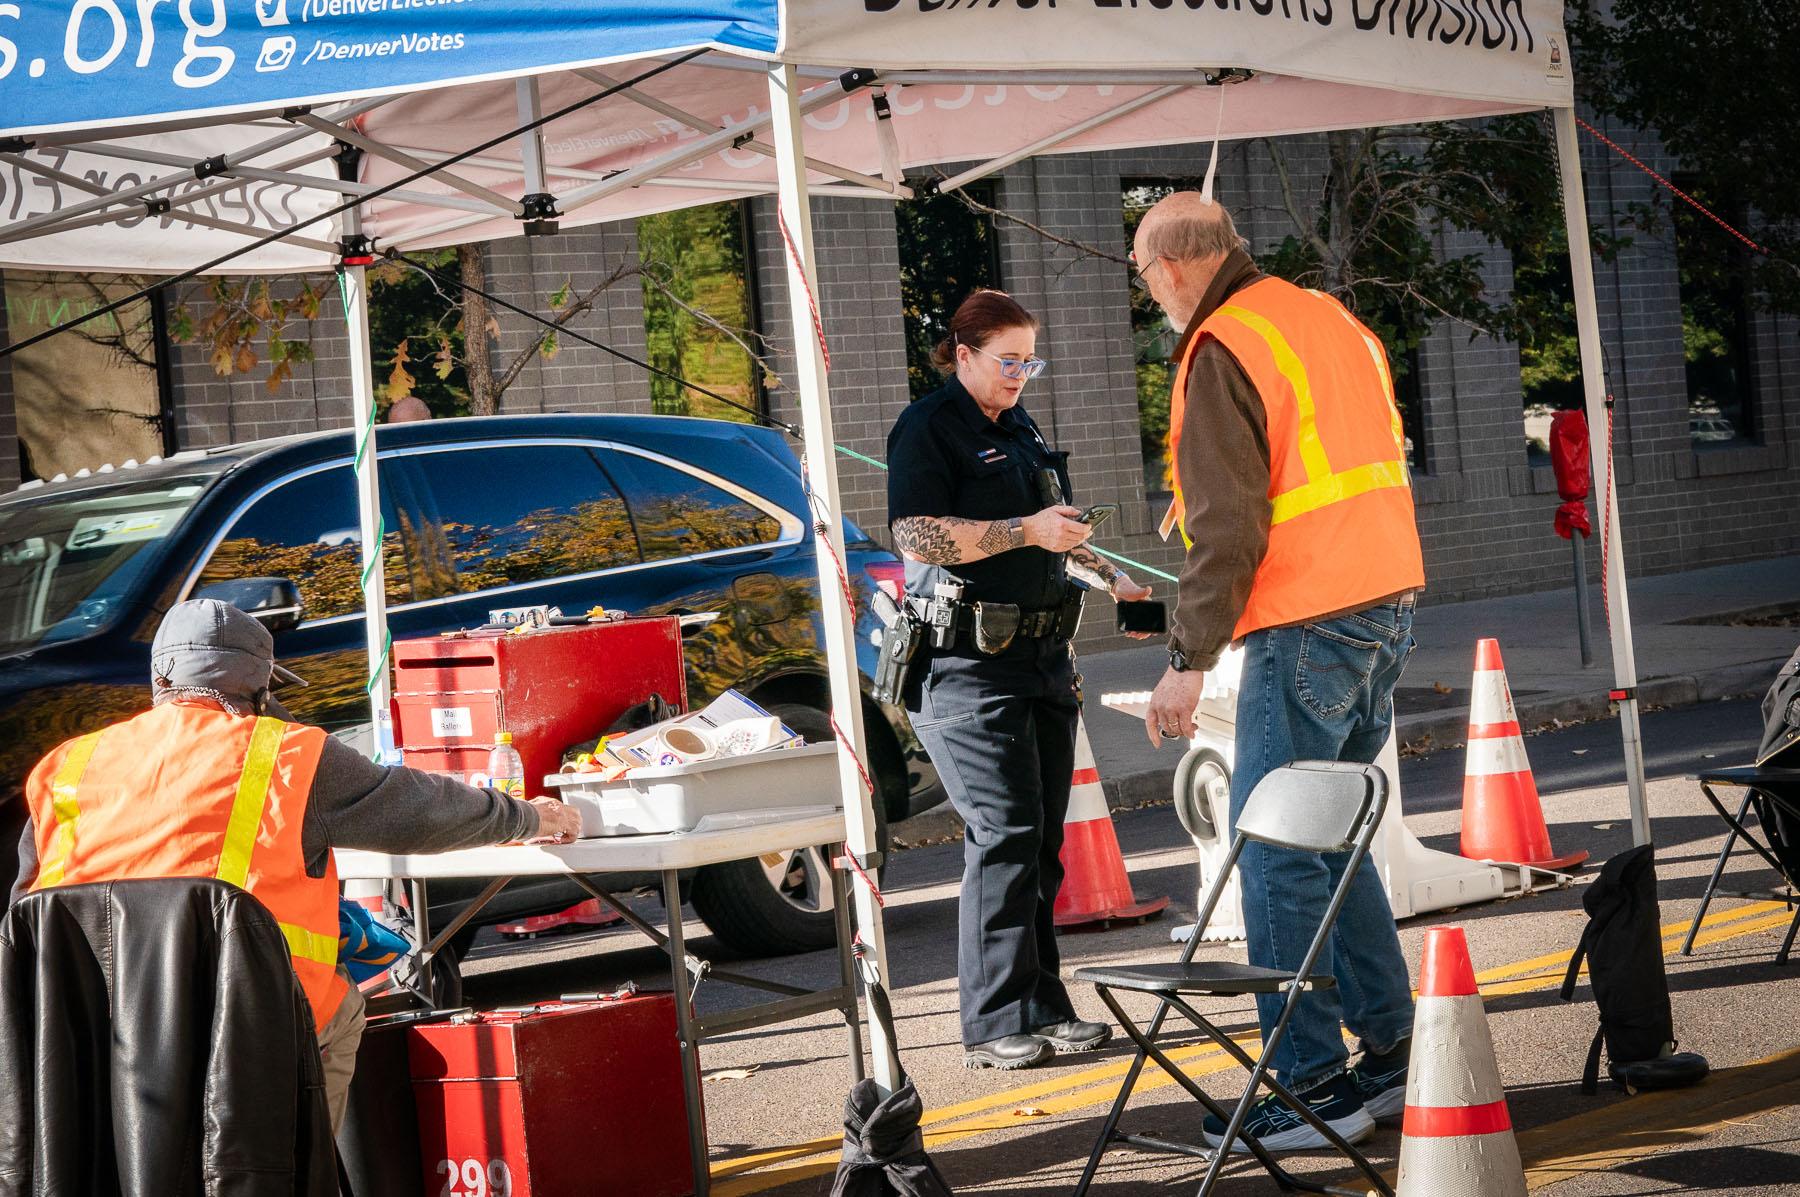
(946,251)
(413,320)
(696,266)
(1717,84)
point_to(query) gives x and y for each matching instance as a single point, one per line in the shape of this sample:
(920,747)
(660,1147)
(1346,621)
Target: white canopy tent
(150,138)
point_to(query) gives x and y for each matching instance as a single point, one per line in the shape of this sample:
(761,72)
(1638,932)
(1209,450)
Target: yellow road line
(1619,1133)
(1075,1091)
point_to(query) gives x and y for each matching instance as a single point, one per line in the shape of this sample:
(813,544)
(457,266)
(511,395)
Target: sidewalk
(1679,662)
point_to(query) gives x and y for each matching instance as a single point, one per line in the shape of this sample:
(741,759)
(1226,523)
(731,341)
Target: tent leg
(368,495)
(821,462)
(1593,376)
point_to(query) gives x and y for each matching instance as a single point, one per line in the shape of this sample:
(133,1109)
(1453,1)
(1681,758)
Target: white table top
(719,838)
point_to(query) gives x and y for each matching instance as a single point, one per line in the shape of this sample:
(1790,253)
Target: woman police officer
(978,506)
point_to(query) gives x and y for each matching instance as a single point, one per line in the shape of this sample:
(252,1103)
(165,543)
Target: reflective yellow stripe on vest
(252,798)
(65,791)
(1322,486)
(310,945)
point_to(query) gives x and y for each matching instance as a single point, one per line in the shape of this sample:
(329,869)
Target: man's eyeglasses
(1140,274)
(1024,369)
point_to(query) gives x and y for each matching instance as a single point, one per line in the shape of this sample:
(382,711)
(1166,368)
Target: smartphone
(1149,616)
(1098,514)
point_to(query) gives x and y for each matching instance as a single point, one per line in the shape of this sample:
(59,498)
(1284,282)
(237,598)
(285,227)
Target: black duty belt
(997,623)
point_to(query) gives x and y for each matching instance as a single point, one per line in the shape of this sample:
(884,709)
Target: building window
(1549,352)
(947,250)
(700,317)
(1153,341)
(1715,322)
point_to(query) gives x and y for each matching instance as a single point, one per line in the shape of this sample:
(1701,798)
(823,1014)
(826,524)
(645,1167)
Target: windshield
(69,563)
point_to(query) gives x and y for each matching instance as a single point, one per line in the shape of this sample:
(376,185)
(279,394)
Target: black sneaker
(1280,1129)
(1007,1053)
(1381,1081)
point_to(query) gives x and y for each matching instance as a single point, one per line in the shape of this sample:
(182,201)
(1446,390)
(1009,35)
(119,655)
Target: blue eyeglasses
(1023,369)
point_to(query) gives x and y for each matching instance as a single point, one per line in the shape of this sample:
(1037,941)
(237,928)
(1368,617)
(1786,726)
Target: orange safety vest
(1341,530)
(186,790)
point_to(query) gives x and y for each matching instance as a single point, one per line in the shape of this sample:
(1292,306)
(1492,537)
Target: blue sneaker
(1279,1128)
(1381,1081)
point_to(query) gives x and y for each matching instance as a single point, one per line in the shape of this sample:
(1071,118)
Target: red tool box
(566,1099)
(550,687)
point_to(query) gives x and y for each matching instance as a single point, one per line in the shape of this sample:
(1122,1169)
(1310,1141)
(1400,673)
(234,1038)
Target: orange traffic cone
(1457,1135)
(1501,818)
(1095,888)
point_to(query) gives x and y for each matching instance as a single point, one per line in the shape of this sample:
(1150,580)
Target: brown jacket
(1223,462)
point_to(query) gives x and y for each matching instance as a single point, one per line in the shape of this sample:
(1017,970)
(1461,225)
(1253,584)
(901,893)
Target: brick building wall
(1484,511)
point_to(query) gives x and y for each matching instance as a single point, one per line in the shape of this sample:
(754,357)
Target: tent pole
(821,464)
(1593,377)
(368,488)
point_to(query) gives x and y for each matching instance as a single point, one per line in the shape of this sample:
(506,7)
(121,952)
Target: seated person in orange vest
(214,781)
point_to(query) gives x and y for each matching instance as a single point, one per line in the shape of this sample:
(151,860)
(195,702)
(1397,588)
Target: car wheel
(779,903)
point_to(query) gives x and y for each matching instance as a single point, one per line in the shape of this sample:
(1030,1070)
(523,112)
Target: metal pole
(821,462)
(354,283)
(1593,378)
(1584,623)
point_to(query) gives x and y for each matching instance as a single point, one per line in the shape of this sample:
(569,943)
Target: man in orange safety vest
(215,781)
(1292,494)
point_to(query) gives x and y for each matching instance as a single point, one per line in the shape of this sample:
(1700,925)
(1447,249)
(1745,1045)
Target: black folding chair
(1773,796)
(1309,806)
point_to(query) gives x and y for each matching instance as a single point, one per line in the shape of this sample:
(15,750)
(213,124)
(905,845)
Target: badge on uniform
(990,456)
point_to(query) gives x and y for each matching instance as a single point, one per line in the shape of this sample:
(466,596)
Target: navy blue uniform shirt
(946,458)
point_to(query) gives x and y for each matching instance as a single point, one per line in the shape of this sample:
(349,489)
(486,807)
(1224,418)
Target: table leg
(840,908)
(684,1031)
(1719,865)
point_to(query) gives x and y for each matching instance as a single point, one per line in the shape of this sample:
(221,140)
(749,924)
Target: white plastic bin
(677,797)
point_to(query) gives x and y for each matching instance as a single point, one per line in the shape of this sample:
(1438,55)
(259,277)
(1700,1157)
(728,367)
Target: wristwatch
(1178,660)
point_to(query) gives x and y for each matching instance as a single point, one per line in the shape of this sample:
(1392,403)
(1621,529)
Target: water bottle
(506,770)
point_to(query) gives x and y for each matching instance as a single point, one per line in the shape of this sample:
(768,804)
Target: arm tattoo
(1002,536)
(950,540)
(1090,567)
(924,538)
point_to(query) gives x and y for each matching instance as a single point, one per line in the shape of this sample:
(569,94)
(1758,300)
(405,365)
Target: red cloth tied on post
(1574,475)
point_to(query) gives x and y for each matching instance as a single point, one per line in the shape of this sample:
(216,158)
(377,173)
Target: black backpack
(1623,947)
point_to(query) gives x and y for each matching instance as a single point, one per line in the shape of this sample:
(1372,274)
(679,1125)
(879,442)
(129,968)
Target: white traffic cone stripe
(1490,699)
(1496,758)
(1466,1166)
(1087,800)
(1452,1057)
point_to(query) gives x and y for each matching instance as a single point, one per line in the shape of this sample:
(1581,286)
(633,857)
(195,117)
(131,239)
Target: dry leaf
(730,1074)
(1440,687)
(1031,1112)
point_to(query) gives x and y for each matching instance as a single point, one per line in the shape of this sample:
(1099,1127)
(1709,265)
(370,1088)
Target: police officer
(978,504)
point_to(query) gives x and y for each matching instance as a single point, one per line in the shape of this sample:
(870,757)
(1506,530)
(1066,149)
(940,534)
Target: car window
(69,563)
(498,515)
(306,530)
(678,514)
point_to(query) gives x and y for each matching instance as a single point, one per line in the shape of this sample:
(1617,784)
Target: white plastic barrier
(1418,879)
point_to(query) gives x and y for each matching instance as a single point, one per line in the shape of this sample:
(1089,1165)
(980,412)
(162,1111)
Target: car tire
(779,903)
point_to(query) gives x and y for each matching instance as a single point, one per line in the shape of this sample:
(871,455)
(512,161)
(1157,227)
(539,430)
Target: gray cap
(204,644)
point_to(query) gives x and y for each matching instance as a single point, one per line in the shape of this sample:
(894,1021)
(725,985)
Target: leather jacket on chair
(154,1043)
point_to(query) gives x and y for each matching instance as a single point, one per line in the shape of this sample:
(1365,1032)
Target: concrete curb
(1432,731)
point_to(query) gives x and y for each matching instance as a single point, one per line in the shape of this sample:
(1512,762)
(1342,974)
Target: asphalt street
(774,1096)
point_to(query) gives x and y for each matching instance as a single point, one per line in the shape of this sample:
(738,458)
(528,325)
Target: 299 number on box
(475,1178)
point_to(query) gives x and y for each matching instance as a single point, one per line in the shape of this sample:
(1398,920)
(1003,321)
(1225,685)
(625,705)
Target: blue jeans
(1322,691)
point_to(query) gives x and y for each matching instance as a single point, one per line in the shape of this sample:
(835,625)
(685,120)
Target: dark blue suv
(655,515)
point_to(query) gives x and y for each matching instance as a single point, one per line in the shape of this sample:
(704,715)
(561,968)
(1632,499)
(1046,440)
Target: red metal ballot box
(550,687)
(570,1099)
